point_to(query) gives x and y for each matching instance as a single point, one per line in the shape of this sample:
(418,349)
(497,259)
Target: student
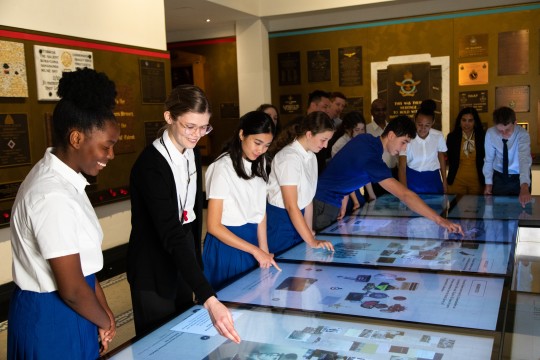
(515,177)
(466,154)
(353,124)
(293,181)
(422,166)
(271,110)
(360,162)
(236,191)
(58,308)
(162,266)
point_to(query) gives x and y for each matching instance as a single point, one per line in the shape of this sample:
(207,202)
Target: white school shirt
(52,217)
(184,183)
(244,201)
(293,165)
(423,154)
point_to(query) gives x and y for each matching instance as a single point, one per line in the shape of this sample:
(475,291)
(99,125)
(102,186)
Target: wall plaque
(355,104)
(473,45)
(319,66)
(473,73)
(14,138)
(290,104)
(408,85)
(474,99)
(152,81)
(52,62)
(151,130)
(289,68)
(8,191)
(125,115)
(13,81)
(350,66)
(514,52)
(515,97)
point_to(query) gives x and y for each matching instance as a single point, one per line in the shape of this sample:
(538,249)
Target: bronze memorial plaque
(289,68)
(473,45)
(350,66)
(319,67)
(515,97)
(473,73)
(474,99)
(514,52)
(15,140)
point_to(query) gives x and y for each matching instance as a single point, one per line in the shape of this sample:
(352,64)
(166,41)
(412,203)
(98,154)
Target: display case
(495,207)
(389,205)
(430,254)
(272,334)
(480,230)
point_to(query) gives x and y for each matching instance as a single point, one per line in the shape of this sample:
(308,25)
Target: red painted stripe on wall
(180,44)
(83,44)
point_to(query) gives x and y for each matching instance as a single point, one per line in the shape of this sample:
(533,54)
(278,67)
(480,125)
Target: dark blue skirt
(42,326)
(424,182)
(223,262)
(281,232)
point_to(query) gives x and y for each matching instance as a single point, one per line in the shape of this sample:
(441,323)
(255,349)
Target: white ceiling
(186,19)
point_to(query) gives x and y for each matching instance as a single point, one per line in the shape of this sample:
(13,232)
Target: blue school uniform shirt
(356,164)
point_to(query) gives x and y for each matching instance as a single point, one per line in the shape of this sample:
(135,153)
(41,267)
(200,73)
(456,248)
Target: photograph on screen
(495,207)
(433,254)
(288,335)
(389,205)
(452,300)
(488,230)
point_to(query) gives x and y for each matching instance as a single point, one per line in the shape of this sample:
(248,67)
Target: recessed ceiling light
(208,20)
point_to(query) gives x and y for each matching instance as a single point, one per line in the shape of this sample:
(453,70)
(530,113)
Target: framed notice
(152,81)
(52,62)
(13,81)
(350,66)
(319,65)
(289,68)
(515,97)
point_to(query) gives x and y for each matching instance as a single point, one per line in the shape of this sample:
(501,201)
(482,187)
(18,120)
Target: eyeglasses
(190,129)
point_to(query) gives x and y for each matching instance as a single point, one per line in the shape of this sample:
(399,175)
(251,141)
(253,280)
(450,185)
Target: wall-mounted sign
(515,97)
(513,56)
(290,104)
(473,73)
(289,68)
(14,140)
(474,99)
(152,81)
(473,45)
(350,66)
(52,62)
(319,66)
(13,81)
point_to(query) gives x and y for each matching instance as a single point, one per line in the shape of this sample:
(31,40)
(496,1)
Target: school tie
(505,156)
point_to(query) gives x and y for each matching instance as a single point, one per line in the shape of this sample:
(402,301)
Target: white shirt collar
(298,147)
(77,179)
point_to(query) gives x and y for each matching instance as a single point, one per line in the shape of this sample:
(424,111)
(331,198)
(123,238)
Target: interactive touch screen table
(447,255)
(495,207)
(286,335)
(389,205)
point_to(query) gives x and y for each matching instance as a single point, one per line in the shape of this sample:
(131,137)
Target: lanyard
(184,216)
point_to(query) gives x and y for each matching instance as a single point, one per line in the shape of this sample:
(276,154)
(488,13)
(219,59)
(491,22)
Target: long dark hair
(350,121)
(316,122)
(252,123)
(87,103)
(478,127)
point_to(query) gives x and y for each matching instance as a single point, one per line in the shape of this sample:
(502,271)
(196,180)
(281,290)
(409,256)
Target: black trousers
(505,184)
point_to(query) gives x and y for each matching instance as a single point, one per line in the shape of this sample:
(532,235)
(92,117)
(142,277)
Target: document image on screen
(488,230)
(432,298)
(446,255)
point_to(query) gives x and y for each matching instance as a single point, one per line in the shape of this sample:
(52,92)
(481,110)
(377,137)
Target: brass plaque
(515,97)
(290,104)
(514,52)
(473,73)
(473,45)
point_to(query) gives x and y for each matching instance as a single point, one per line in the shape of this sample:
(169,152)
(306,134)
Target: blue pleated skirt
(223,262)
(424,182)
(42,326)
(281,232)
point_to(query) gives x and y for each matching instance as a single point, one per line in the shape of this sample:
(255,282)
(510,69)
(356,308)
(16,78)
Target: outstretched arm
(416,204)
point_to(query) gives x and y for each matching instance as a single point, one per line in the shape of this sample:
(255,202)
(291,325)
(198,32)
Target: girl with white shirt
(236,190)
(422,167)
(293,181)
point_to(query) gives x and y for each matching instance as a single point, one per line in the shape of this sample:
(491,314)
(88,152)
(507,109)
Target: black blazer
(453,143)
(160,252)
